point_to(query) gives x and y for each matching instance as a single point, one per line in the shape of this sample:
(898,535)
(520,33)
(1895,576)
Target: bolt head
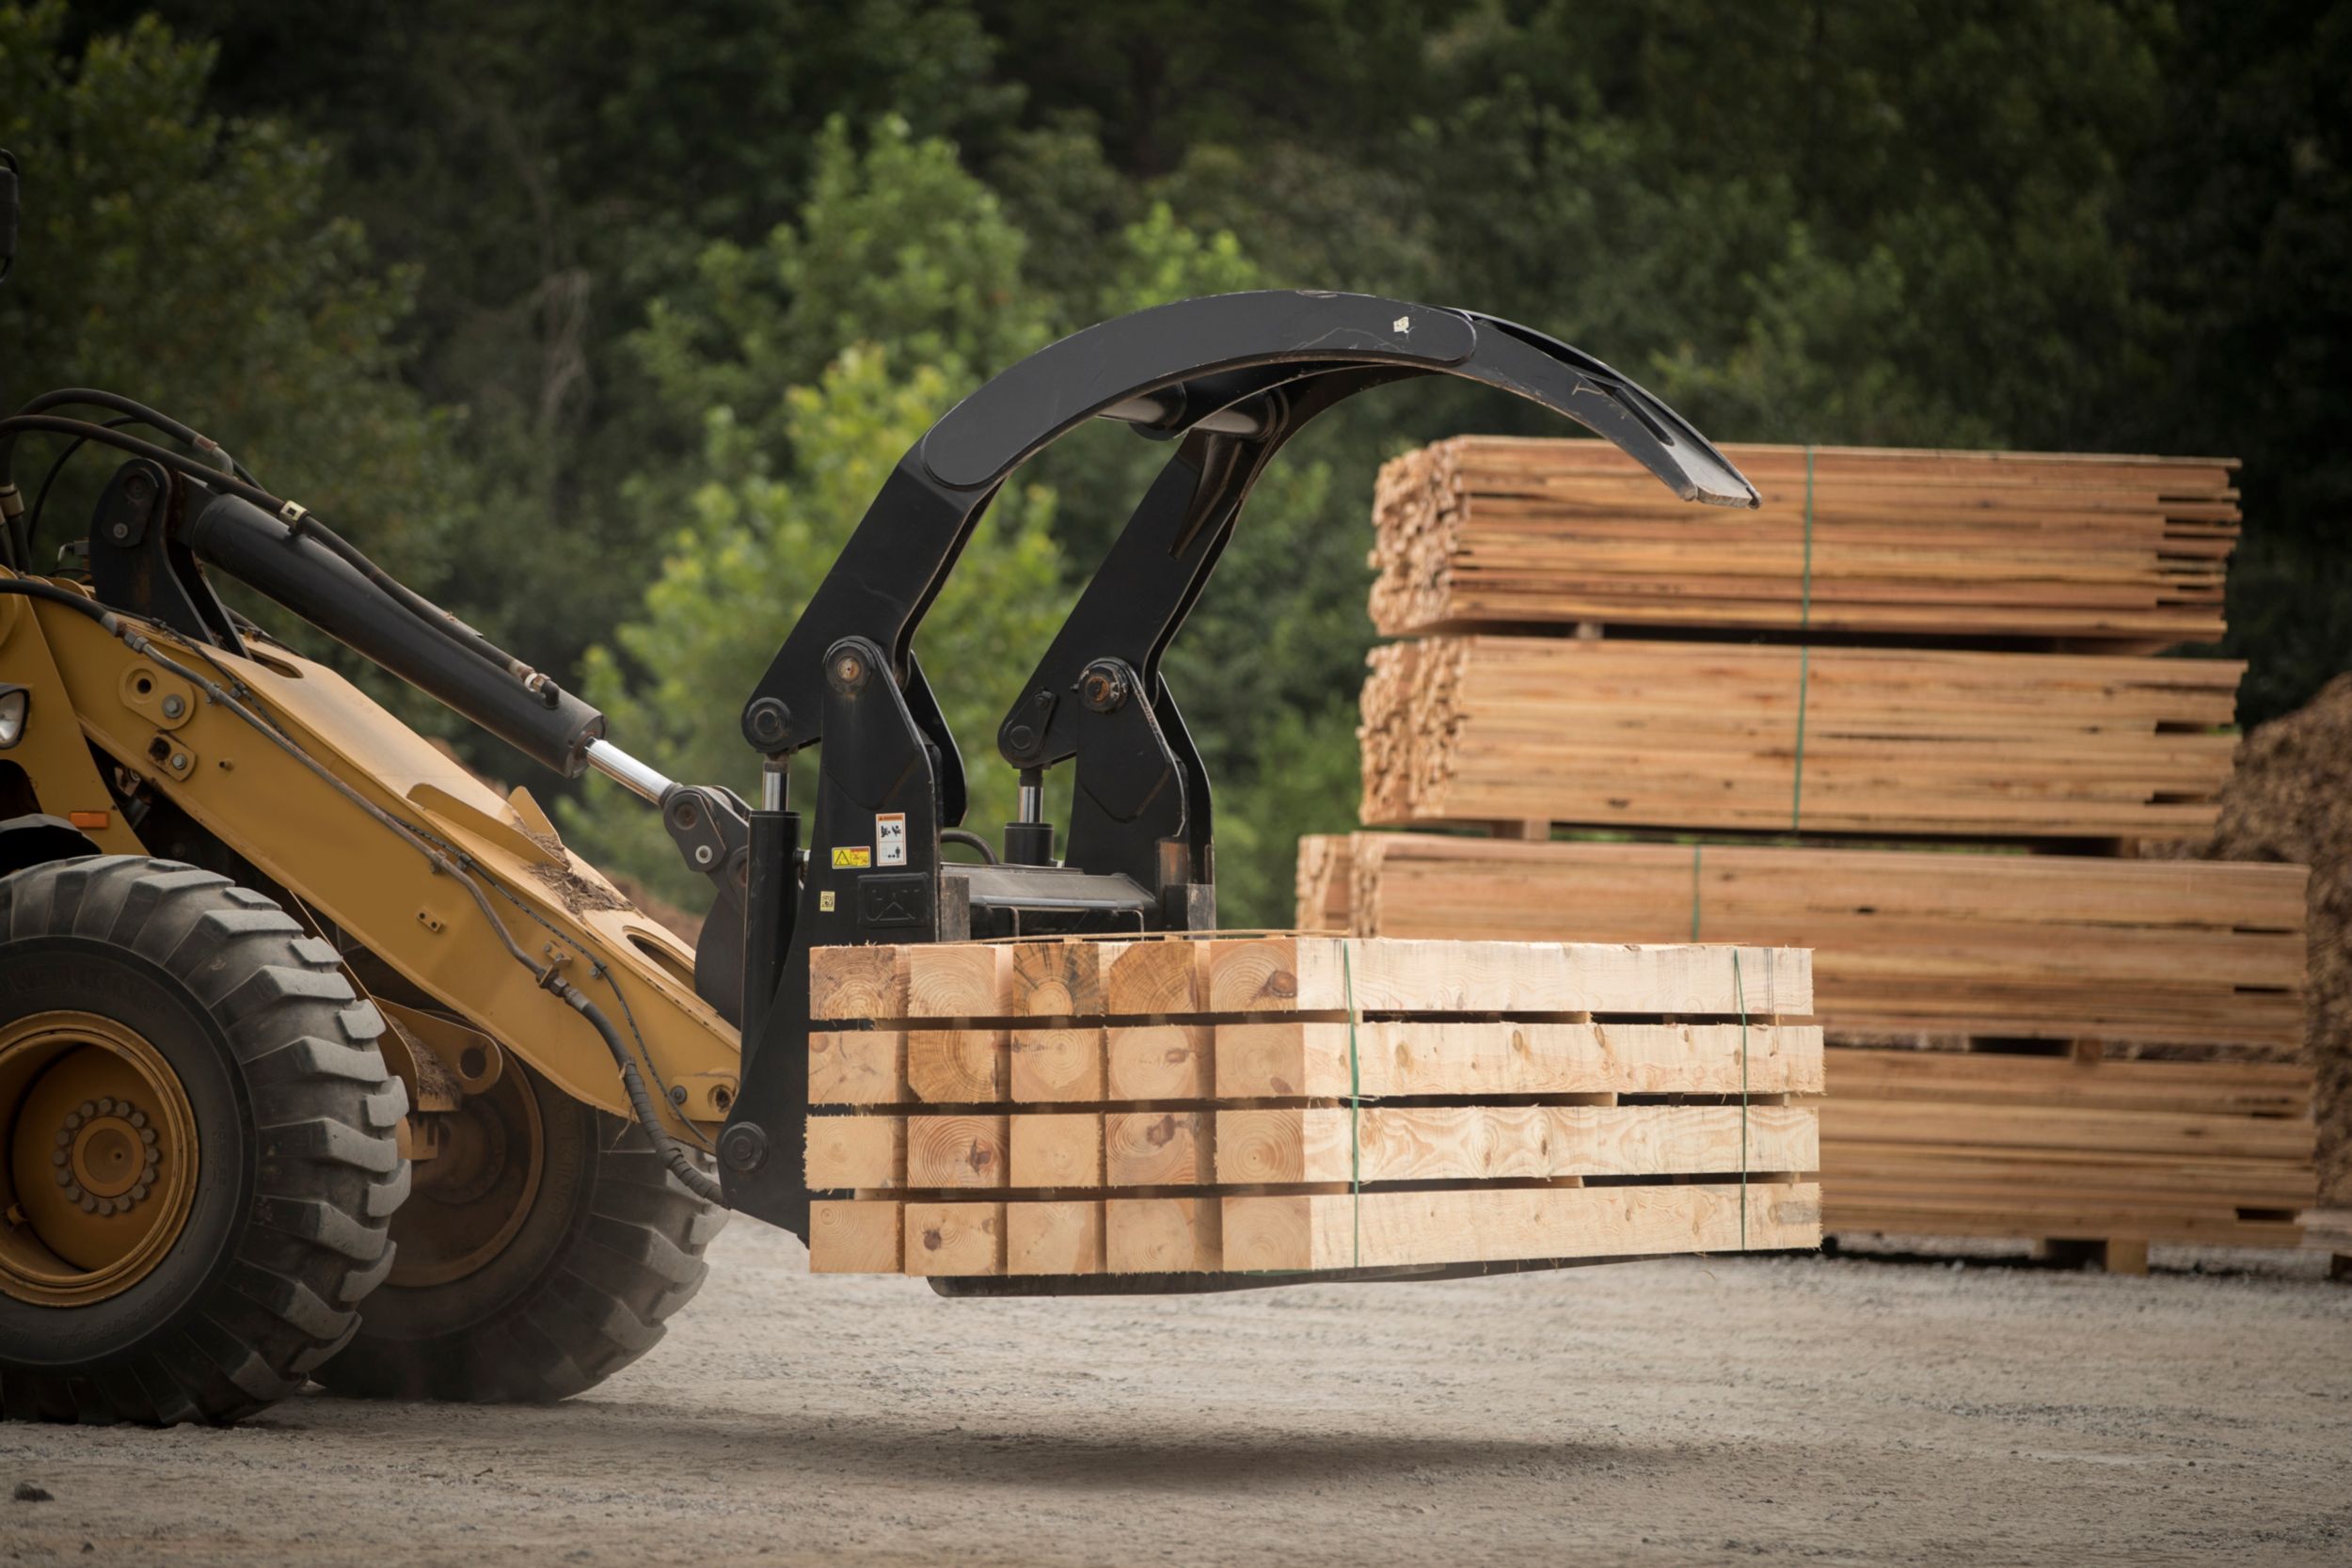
(1021,738)
(174,706)
(702,854)
(120,530)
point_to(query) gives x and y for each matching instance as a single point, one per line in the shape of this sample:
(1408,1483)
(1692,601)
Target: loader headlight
(14,702)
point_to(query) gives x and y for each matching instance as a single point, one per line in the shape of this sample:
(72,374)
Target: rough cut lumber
(958,1151)
(1706,735)
(1487,1143)
(1377,1142)
(2048,947)
(1054,1064)
(856,1067)
(1474,1224)
(958,1067)
(1159,1148)
(1057,1150)
(1162,1235)
(1159,1061)
(850,1153)
(960,1238)
(1483,529)
(1983,1142)
(950,983)
(853,1236)
(1282,1060)
(1056,1238)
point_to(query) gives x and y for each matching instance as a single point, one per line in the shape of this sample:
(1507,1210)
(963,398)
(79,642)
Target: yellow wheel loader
(321,1060)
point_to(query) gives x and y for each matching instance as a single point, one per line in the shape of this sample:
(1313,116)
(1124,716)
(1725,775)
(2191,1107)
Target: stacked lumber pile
(2067,948)
(1949,646)
(1965,1143)
(1484,531)
(1739,736)
(1174,1106)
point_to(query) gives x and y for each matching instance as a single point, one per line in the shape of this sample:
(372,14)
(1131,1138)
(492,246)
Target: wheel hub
(102,1158)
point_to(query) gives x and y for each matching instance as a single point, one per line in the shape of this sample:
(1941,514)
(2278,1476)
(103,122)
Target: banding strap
(1355,1103)
(1739,998)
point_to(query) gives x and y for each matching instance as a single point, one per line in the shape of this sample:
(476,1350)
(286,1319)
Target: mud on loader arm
(1230,379)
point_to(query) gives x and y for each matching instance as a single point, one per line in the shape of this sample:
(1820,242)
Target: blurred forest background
(601,321)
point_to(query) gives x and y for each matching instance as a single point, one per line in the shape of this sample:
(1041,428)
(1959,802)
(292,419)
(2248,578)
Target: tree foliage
(606,318)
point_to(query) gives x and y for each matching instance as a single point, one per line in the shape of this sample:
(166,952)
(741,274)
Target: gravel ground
(1834,1409)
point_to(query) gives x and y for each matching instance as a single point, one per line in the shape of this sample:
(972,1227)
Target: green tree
(196,263)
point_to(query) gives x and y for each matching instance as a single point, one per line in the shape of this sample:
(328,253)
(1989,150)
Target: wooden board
(1373,1144)
(948,985)
(1486,530)
(1933,1143)
(1717,735)
(2061,947)
(1384,1230)
(1486,1143)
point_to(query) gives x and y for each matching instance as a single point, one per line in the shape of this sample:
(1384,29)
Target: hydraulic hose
(292,513)
(632,1083)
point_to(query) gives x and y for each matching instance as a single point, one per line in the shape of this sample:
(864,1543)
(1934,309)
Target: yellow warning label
(824,902)
(853,857)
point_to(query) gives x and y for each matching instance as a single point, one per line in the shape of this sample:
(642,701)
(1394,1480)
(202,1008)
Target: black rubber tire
(611,1248)
(298,1171)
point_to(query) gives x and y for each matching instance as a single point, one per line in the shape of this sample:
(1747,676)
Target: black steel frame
(1230,379)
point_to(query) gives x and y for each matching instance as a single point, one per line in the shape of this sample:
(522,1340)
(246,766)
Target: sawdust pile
(2290,799)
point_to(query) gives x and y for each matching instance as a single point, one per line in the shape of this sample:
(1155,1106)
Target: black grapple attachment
(1227,380)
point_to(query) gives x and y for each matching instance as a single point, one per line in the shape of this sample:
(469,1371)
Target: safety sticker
(852,856)
(825,902)
(890,838)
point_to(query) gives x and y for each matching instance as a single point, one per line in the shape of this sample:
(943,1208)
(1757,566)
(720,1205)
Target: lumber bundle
(1201,1105)
(1739,737)
(1487,530)
(2061,947)
(1977,1143)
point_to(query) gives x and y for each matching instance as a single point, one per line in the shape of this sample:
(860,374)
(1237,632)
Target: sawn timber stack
(1248,1104)
(1494,531)
(1826,739)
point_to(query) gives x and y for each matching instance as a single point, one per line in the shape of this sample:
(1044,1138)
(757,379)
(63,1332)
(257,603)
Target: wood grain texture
(1641,734)
(856,982)
(1058,1149)
(1159,1148)
(857,1067)
(1317,1060)
(2060,947)
(1162,1235)
(1486,1143)
(1473,1225)
(1148,978)
(1056,1065)
(958,1067)
(962,1238)
(1054,1237)
(1305,974)
(1159,1061)
(959,1151)
(1485,528)
(1057,979)
(854,1236)
(849,1153)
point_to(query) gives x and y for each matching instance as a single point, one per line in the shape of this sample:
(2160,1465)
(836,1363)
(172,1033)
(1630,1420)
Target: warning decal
(890,838)
(852,856)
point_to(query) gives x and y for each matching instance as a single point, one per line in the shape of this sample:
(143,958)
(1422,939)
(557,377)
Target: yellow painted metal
(52,751)
(101,1159)
(304,836)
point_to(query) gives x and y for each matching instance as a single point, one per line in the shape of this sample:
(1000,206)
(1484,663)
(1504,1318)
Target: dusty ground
(1841,1410)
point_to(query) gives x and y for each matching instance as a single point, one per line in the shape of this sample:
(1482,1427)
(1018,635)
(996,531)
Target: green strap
(1694,892)
(1804,651)
(1740,996)
(1355,1103)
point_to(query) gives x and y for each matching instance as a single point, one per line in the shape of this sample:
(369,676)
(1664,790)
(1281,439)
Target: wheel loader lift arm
(1231,378)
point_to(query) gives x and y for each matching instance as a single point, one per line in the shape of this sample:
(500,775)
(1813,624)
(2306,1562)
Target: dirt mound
(2290,799)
